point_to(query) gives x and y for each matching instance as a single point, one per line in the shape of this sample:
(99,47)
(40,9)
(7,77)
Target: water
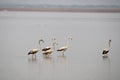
(20,32)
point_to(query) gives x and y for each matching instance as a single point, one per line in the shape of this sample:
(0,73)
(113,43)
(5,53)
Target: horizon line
(61,9)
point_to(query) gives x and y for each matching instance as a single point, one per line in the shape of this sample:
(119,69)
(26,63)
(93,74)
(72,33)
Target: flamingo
(105,51)
(64,48)
(53,43)
(48,50)
(34,51)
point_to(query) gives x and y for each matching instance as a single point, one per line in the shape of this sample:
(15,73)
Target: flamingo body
(63,48)
(105,51)
(48,52)
(33,51)
(46,48)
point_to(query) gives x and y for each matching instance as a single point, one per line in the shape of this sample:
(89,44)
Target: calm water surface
(20,32)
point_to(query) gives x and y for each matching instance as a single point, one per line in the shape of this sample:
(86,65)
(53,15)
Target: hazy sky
(63,2)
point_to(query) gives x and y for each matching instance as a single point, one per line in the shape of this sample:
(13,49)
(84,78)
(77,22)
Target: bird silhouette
(48,52)
(105,51)
(53,43)
(34,51)
(50,49)
(64,48)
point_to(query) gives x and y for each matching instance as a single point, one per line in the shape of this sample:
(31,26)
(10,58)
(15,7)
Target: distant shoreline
(59,10)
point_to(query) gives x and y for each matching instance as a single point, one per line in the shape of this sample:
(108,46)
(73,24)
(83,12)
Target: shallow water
(20,32)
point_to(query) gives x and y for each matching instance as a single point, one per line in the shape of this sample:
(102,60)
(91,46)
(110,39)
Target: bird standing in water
(53,43)
(105,51)
(50,49)
(64,48)
(34,51)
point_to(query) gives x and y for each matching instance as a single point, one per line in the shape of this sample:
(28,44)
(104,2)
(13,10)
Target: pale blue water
(20,32)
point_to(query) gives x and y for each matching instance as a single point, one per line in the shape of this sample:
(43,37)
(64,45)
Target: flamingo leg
(32,55)
(35,55)
(63,53)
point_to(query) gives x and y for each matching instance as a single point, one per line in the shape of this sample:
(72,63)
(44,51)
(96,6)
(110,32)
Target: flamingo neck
(109,44)
(68,42)
(53,45)
(40,48)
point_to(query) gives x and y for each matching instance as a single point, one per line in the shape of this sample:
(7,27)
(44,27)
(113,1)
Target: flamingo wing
(105,51)
(46,48)
(62,48)
(33,51)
